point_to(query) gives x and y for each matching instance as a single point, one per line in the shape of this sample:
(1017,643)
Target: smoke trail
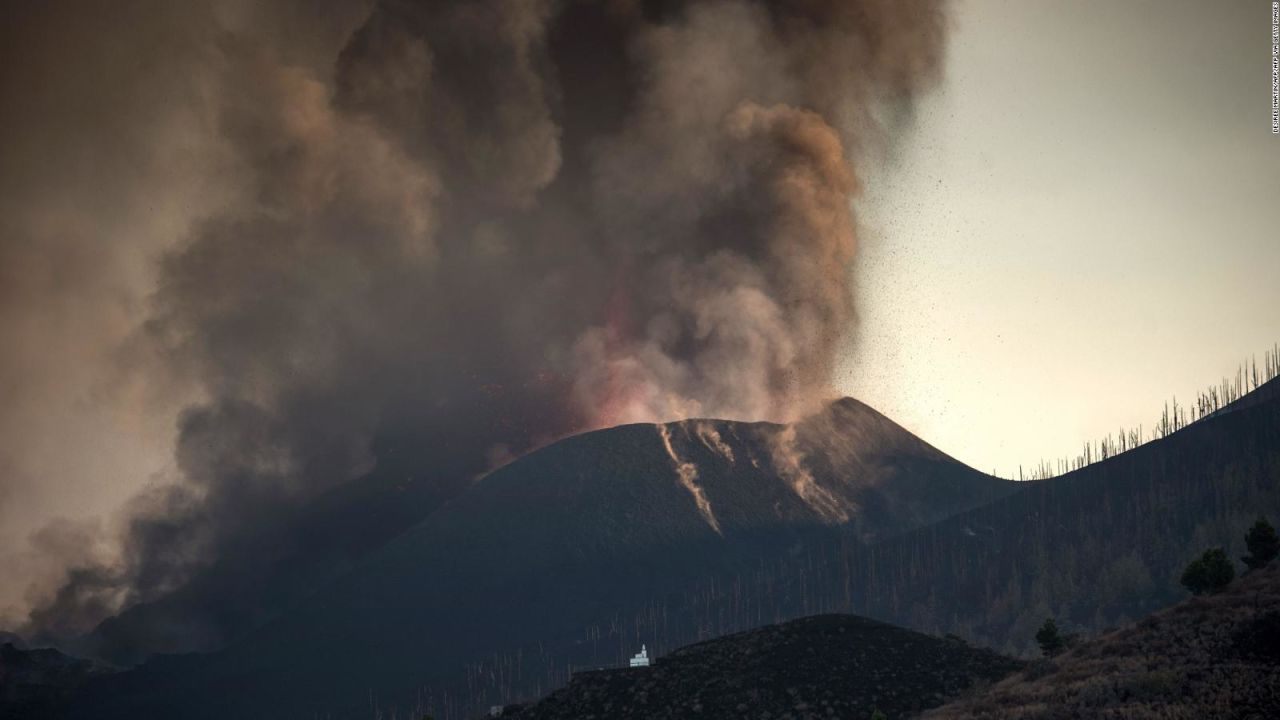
(710,438)
(470,228)
(687,474)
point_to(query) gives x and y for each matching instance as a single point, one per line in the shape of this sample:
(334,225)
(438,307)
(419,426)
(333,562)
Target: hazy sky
(1083,223)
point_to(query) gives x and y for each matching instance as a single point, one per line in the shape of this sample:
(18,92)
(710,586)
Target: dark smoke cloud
(476,227)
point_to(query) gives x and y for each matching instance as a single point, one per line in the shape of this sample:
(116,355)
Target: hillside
(1208,657)
(517,579)
(327,538)
(1096,548)
(825,666)
(38,683)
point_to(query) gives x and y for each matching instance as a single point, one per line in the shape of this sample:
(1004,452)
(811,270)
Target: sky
(1081,225)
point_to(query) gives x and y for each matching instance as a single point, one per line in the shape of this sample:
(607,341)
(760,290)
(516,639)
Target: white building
(642,658)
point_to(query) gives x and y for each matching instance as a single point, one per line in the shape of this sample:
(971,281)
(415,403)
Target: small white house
(641,658)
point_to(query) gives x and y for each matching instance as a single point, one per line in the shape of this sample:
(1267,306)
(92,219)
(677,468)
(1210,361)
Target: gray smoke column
(476,227)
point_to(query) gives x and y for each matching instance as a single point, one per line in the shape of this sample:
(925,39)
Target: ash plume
(465,228)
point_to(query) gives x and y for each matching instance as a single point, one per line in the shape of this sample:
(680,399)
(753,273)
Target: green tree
(1049,639)
(1263,544)
(877,715)
(1209,573)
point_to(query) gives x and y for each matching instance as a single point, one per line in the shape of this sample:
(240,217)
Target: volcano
(545,565)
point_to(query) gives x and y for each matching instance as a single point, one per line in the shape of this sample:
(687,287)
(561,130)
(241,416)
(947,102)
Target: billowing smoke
(466,228)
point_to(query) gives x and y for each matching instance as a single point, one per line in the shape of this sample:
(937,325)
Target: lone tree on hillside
(1050,640)
(1209,573)
(1262,543)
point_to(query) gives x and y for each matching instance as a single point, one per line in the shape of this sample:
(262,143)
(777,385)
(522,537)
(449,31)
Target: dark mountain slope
(827,666)
(1096,547)
(569,539)
(327,538)
(1208,657)
(38,683)
(1266,392)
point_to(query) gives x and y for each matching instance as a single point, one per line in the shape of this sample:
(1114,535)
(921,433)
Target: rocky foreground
(827,666)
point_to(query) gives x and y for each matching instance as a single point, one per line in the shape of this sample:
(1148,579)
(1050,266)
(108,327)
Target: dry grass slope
(1208,657)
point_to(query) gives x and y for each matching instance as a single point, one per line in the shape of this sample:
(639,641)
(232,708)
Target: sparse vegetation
(1049,639)
(1211,657)
(1263,544)
(1174,417)
(1209,573)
